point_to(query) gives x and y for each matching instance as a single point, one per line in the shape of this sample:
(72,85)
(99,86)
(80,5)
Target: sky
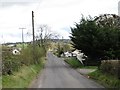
(59,15)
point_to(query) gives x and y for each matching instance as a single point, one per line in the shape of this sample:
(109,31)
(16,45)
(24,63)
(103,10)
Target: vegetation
(21,45)
(22,68)
(19,70)
(111,67)
(44,36)
(98,38)
(109,81)
(108,74)
(22,78)
(62,47)
(28,57)
(13,63)
(59,50)
(10,62)
(75,63)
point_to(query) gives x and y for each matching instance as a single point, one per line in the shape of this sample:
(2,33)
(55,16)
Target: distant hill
(54,40)
(61,40)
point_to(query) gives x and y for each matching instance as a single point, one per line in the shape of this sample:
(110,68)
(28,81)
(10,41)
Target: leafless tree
(44,35)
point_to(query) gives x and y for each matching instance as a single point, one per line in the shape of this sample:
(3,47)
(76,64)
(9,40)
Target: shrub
(32,55)
(12,62)
(111,67)
(91,62)
(107,80)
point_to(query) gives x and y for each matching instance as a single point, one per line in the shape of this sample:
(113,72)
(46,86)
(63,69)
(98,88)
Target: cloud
(9,3)
(59,15)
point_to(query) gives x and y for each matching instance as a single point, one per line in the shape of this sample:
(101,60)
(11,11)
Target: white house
(68,54)
(16,52)
(80,56)
(74,53)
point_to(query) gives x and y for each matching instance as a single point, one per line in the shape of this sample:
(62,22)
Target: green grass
(106,80)
(74,63)
(0,82)
(22,78)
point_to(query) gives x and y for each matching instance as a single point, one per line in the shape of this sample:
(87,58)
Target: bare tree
(44,35)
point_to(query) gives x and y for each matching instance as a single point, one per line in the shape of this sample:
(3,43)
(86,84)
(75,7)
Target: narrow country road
(57,74)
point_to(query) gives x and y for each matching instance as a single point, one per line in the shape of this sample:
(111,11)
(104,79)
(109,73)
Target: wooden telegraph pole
(33,27)
(33,36)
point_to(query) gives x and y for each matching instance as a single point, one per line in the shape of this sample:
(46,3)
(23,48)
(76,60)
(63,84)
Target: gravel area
(85,71)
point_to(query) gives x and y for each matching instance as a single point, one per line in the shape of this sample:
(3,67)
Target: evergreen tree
(98,38)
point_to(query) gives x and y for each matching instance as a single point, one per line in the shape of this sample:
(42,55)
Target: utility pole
(33,27)
(33,36)
(22,36)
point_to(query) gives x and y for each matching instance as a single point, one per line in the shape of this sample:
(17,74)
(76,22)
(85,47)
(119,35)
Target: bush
(91,62)
(22,78)
(38,53)
(12,62)
(111,67)
(32,55)
(107,80)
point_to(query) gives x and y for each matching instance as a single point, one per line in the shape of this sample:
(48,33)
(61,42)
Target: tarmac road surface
(57,74)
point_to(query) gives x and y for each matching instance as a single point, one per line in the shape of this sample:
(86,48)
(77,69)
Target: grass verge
(22,78)
(74,63)
(106,80)
(0,82)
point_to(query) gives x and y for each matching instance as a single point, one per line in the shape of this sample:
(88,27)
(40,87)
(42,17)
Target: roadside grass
(74,63)
(0,82)
(105,79)
(23,77)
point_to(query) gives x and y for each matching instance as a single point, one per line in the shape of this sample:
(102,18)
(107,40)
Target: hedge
(111,67)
